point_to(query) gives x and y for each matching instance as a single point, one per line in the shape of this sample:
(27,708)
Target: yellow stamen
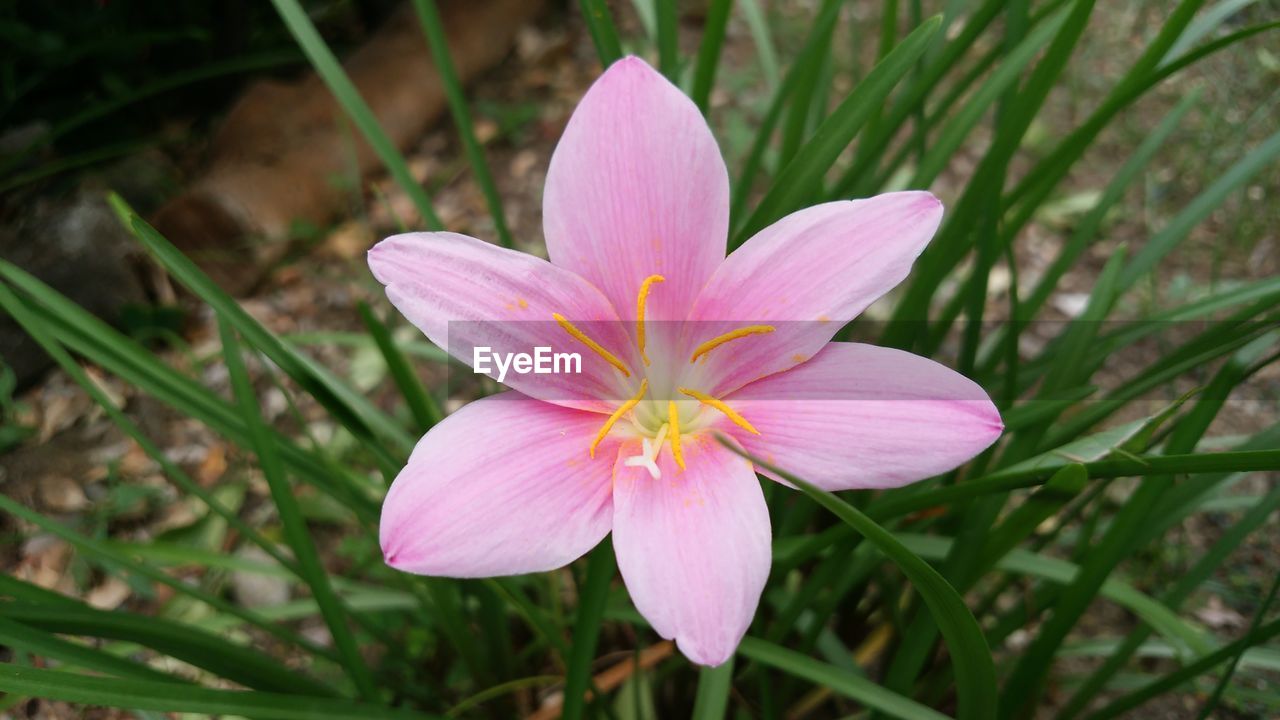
(720,405)
(582,338)
(608,424)
(644,295)
(673,419)
(716,342)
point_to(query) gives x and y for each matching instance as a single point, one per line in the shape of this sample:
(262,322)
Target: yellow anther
(673,420)
(608,424)
(720,405)
(716,342)
(595,346)
(640,301)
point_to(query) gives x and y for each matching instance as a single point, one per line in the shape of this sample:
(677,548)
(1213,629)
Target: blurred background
(209,121)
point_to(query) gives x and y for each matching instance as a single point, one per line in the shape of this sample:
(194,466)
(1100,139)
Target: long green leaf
(26,320)
(855,687)
(1137,698)
(86,335)
(835,133)
(957,127)
(352,409)
(586,630)
(422,404)
(438,43)
(205,650)
(668,38)
(603,32)
(975,672)
(704,73)
(105,554)
(16,635)
(361,115)
(1181,225)
(168,697)
(1225,680)
(295,527)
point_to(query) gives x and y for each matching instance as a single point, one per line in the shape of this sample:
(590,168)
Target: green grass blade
(423,406)
(361,115)
(295,527)
(714,684)
(975,206)
(872,145)
(202,649)
(957,127)
(47,645)
(437,41)
(1053,167)
(103,553)
(586,629)
(975,672)
(170,697)
(850,685)
(1135,466)
(354,411)
(171,470)
(1186,673)
(1062,572)
(758,24)
(603,32)
(835,133)
(85,334)
(1225,680)
(1208,564)
(777,104)
(1022,521)
(704,73)
(1181,225)
(1089,226)
(668,29)
(1204,24)
(1025,682)
(803,83)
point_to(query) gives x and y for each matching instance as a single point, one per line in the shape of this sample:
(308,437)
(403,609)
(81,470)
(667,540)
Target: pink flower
(677,342)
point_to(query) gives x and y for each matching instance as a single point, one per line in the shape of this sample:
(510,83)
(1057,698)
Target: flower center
(656,420)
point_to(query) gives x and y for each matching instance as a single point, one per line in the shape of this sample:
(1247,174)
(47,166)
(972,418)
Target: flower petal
(862,416)
(637,187)
(501,487)
(465,293)
(807,275)
(693,546)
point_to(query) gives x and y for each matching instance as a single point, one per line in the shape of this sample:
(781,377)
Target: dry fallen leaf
(110,595)
(60,494)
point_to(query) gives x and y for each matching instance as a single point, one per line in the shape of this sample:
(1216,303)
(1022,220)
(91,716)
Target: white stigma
(649,454)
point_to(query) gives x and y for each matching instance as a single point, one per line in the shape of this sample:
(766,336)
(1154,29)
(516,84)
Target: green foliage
(955,597)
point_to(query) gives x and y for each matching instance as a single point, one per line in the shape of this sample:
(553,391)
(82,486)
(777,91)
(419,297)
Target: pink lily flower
(678,342)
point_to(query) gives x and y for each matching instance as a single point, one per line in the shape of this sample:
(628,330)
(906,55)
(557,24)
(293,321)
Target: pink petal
(807,275)
(465,293)
(637,187)
(501,487)
(861,416)
(693,546)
